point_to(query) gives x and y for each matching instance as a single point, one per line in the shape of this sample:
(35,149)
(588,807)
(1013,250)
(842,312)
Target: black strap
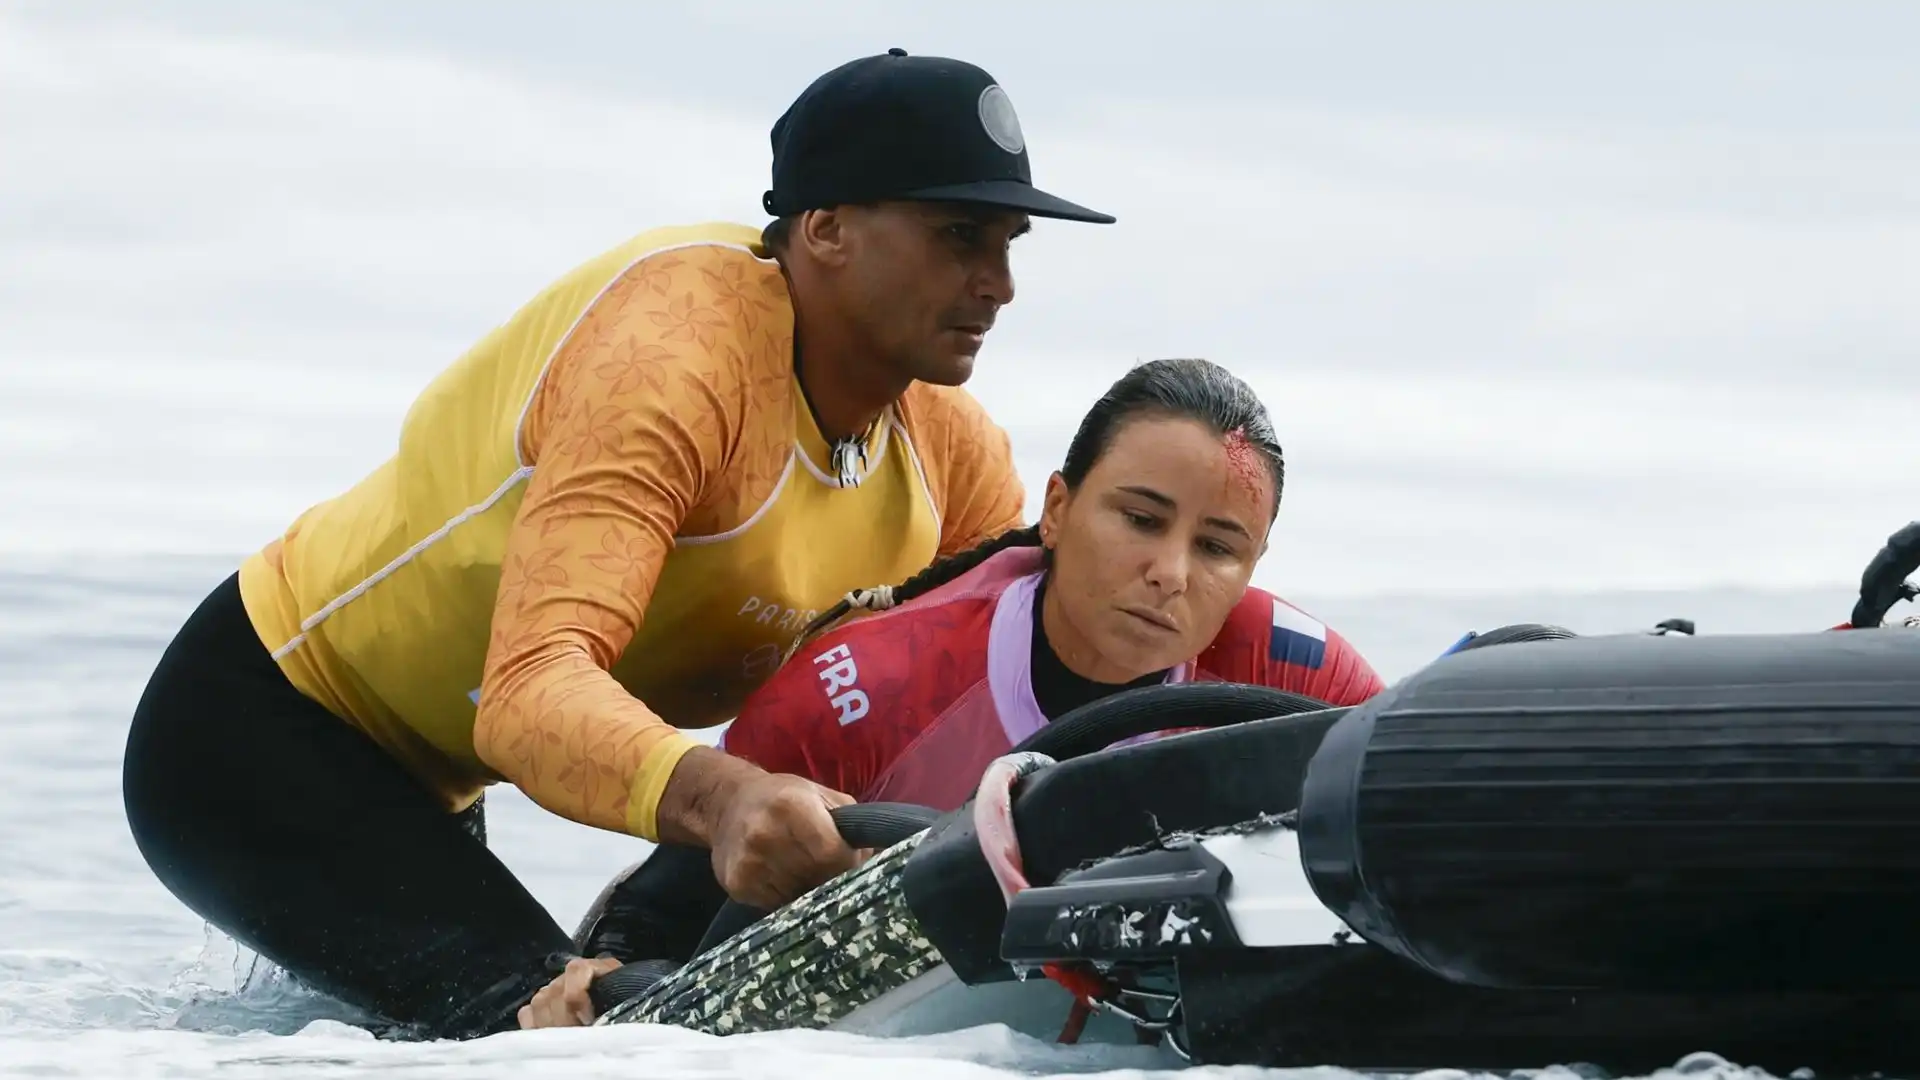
(1884,582)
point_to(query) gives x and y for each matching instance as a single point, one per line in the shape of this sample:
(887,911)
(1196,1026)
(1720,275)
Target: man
(603,523)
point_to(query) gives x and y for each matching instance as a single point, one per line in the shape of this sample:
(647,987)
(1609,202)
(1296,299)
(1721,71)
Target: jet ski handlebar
(881,824)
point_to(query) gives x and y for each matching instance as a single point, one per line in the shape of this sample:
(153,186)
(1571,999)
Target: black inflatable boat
(1541,849)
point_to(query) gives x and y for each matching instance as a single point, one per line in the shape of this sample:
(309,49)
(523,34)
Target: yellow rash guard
(606,521)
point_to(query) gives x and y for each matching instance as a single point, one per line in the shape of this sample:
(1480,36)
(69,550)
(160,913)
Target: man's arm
(628,434)
(625,435)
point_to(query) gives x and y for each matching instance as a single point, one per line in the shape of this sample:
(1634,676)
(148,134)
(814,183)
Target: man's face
(925,281)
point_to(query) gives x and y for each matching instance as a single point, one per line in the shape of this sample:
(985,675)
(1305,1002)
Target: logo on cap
(997,117)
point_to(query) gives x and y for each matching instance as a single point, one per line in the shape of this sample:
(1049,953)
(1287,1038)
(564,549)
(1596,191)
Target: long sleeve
(629,429)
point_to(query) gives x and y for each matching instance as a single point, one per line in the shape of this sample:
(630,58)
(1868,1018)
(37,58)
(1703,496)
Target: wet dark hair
(1180,388)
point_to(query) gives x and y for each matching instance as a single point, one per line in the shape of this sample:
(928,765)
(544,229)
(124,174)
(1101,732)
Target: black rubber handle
(1884,582)
(881,824)
(626,982)
(861,825)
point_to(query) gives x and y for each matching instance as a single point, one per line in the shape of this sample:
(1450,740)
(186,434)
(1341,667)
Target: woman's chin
(1136,653)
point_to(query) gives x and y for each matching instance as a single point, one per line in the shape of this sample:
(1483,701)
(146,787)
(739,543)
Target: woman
(1138,573)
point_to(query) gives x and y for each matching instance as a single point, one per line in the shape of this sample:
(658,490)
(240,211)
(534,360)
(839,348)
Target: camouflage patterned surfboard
(804,966)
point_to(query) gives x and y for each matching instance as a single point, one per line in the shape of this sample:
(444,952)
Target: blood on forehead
(1246,465)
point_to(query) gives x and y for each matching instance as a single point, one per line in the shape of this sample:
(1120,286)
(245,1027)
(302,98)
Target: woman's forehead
(1185,461)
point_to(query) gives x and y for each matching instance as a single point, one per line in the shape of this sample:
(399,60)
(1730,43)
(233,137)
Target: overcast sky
(1596,295)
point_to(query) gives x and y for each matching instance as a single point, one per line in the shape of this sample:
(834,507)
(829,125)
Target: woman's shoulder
(1269,640)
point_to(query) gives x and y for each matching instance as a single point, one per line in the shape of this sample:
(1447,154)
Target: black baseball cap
(906,127)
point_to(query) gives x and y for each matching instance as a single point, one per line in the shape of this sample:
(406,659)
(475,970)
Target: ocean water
(103,974)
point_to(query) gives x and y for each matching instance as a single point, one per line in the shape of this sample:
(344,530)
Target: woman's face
(1156,547)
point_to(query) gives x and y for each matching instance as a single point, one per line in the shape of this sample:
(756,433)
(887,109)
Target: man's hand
(564,1001)
(770,833)
(776,840)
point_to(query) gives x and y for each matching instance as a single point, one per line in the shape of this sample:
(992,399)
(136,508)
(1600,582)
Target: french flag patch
(1298,638)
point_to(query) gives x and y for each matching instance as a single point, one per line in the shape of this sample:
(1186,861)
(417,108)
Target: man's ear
(823,233)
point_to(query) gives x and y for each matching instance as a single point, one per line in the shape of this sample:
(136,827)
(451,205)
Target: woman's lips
(1155,619)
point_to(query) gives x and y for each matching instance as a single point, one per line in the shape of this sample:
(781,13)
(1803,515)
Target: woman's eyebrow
(1165,500)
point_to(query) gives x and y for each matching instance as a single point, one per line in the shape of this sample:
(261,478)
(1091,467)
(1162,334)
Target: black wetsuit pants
(297,836)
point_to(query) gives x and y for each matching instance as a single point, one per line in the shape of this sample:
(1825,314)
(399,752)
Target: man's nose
(993,279)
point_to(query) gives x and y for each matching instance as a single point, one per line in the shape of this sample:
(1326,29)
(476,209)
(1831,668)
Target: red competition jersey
(911,704)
